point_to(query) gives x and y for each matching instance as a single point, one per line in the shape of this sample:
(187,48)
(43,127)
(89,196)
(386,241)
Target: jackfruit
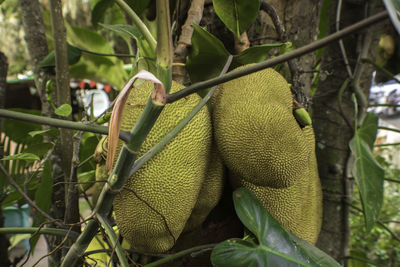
(266,150)
(155,203)
(210,192)
(254,126)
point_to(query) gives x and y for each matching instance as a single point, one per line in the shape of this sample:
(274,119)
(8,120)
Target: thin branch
(293,67)
(389,129)
(279,59)
(25,196)
(195,14)
(180,254)
(123,135)
(114,240)
(139,24)
(341,45)
(44,231)
(380,68)
(105,55)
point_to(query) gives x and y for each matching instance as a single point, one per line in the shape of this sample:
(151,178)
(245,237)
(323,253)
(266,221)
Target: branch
(139,24)
(123,135)
(25,196)
(294,69)
(279,59)
(62,77)
(114,240)
(44,231)
(180,254)
(195,14)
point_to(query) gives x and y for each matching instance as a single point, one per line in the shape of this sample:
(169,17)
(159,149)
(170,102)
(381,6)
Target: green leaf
(369,129)
(88,146)
(144,52)
(49,132)
(64,110)
(39,149)
(99,68)
(207,56)
(254,54)
(17,130)
(44,192)
(73,53)
(237,15)
(369,177)
(86,178)
(276,246)
(99,11)
(138,5)
(29,157)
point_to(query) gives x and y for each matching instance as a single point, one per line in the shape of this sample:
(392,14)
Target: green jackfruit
(254,126)
(152,209)
(267,151)
(210,192)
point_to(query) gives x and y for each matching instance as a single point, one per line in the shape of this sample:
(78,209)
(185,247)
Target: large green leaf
(17,130)
(207,55)
(145,56)
(369,176)
(276,246)
(44,191)
(106,69)
(254,54)
(237,15)
(39,149)
(73,54)
(29,157)
(99,11)
(369,129)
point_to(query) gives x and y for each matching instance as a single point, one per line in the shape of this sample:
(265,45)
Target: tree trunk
(4,262)
(333,127)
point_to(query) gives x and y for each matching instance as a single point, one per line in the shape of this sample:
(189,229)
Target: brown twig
(195,14)
(293,67)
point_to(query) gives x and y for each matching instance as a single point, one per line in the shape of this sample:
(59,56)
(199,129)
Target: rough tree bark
(4,262)
(333,128)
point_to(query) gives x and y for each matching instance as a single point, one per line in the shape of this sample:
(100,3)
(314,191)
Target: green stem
(279,59)
(389,129)
(155,149)
(139,23)
(180,254)
(105,55)
(124,135)
(384,105)
(33,230)
(114,240)
(391,144)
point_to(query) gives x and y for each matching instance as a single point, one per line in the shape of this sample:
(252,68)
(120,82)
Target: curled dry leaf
(158,97)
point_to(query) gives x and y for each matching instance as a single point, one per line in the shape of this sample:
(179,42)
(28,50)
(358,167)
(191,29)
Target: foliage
(91,57)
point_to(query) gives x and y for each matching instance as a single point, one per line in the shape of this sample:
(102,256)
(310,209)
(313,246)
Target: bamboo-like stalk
(124,135)
(129,151)
(139,23)
(114,240)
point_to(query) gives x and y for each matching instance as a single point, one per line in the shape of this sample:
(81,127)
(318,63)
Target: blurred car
(384,93)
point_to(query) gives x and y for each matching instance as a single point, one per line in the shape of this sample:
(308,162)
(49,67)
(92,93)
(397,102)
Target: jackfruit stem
(114,240)
(139,24)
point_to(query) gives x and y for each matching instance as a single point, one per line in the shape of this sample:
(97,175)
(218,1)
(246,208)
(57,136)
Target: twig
(279,59)
(384,71)
(44,231)
(341,45)
(195,14)
(180,254)
(389,129)
(114,240)
(72,205)
(139,24)
(25,196)
(293,67)
(123,135)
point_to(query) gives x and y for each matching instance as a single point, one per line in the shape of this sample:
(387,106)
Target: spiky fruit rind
(255,131)
(152,209)
(298,207)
